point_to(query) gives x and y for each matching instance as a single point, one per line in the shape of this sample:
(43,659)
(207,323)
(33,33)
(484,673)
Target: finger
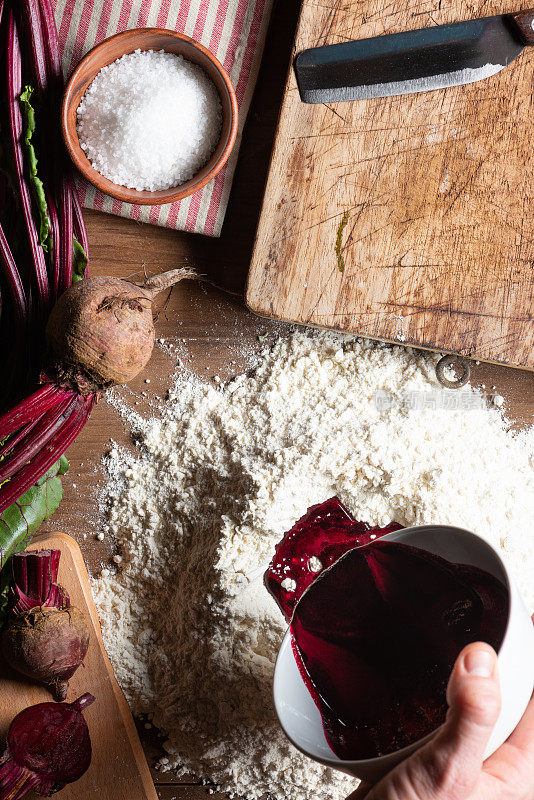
(474,699)
(450,764)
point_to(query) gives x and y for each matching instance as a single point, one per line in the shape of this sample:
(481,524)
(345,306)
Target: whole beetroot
(46,638)
(47,644)
(101,330)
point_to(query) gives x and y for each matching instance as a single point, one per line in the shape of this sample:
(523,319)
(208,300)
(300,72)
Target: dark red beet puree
(315,542)
(377,634)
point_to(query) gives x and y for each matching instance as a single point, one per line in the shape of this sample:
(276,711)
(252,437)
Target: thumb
(450,764)
(474,699)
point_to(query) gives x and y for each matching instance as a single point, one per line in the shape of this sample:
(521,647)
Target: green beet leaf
(20,521)
(79,261)
(35,182)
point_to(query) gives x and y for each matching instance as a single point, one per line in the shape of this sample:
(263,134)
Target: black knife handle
(524,24)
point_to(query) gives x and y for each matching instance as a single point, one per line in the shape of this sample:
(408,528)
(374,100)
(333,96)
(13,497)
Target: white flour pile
(213,485)
(149,120)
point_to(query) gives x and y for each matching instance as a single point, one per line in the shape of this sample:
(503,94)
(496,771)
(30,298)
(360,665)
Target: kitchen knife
(415,61)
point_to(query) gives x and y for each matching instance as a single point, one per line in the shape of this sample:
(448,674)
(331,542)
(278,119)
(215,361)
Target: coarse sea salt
(150,120)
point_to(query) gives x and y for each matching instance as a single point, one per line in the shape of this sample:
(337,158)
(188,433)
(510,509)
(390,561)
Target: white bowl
(300,717)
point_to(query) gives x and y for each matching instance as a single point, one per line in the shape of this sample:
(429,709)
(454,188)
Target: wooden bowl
(148,39)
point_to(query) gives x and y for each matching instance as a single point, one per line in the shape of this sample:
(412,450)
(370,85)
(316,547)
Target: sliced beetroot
(315,542)
(376,637)
(48,746)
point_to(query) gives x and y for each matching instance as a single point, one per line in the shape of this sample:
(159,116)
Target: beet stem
(35,43)
(79,223)
(14,365)
(44,398)
(35,581)
(51,40)
(56,246)
(45,429)
(66,234)
(14,87)
(47,456)
(15,780)
(14,440)
(13,280)
(82,702)
(49,48)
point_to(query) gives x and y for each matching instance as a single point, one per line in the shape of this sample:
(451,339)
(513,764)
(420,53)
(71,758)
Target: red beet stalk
(35,581)
(36,431)
(99,332)
(43,399)
(14,88)
(47,426)
(56,244)
(48,746)
(48,455)
(19,309)
(53,57)
(44,48)
(15,284)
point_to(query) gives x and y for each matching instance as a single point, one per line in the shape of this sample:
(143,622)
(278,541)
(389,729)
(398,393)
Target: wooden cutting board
(404,218)
(118,770)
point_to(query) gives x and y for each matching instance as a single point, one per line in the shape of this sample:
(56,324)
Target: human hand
(451,766)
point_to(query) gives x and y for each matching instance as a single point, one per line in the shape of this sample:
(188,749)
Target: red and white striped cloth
(234,30)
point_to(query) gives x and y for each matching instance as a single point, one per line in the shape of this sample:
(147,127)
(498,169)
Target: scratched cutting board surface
(404,218)
(118,769)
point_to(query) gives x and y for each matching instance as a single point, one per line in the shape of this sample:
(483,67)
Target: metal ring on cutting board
(458,363)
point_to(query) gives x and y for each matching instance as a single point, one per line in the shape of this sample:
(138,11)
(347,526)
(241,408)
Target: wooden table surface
(214,325)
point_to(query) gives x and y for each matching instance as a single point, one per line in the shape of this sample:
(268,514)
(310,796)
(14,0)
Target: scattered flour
(214,483)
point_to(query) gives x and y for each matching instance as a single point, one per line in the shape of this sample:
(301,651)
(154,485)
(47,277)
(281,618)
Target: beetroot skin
(48,746)
(47,644)
(45,638)
(101,330)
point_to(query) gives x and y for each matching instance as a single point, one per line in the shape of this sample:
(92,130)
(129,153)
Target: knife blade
(414,61)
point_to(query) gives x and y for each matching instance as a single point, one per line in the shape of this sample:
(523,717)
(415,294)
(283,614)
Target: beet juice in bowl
(377,617)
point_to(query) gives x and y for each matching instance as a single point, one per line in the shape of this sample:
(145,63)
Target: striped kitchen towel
(234,30)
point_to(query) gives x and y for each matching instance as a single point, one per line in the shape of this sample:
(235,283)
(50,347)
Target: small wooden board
(118,770)
(407,218)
